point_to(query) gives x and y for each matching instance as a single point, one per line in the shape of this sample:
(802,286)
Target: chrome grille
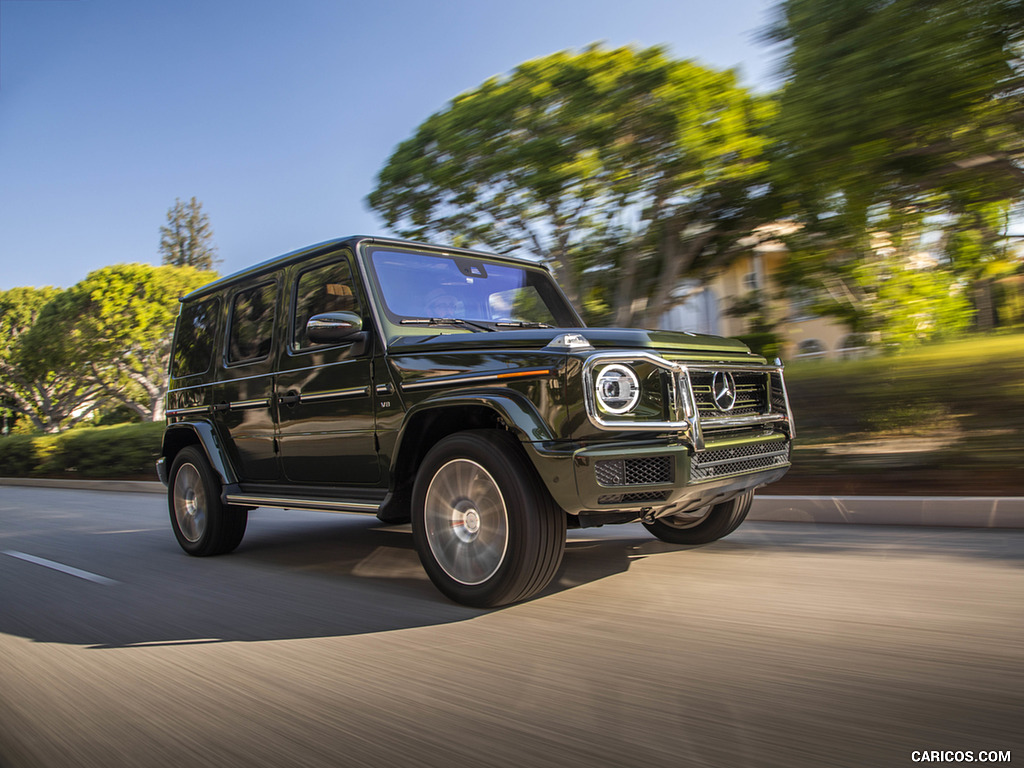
(649,470)
(751,393)
(632,498)
(778,396)
(738,460)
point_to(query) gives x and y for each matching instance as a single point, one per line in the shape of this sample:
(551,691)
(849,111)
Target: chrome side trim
(219,381)
(479,378)
(334,394)
(241,405)
(188,411)
(320,505)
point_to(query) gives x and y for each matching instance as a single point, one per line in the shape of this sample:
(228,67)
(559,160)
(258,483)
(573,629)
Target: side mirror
(333,327)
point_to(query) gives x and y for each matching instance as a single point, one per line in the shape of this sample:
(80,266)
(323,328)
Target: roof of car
(332,245)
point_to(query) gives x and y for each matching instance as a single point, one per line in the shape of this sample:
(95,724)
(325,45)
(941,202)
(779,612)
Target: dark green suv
(461,392)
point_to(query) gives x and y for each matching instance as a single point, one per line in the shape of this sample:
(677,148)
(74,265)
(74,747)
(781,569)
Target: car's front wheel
(704,525)
(486,529)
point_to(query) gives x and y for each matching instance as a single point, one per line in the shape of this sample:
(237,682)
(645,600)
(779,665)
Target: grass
(947,414)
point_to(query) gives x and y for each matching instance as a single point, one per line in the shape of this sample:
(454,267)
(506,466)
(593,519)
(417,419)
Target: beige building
(804,336)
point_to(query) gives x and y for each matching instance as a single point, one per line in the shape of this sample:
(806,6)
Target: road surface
(320,642)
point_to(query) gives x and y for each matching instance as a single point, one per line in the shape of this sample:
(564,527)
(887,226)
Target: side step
(316,505)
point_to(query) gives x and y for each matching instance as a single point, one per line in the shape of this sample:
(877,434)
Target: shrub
(124,450)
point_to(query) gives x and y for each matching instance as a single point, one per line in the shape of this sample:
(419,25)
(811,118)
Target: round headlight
(618,390)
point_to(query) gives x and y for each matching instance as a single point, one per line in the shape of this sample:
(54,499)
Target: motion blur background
(837,184)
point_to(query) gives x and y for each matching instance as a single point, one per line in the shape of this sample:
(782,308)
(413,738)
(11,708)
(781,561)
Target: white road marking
(133,530)
(61,567)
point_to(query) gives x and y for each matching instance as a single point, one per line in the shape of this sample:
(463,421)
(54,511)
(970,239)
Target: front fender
(519,414)
(178,436)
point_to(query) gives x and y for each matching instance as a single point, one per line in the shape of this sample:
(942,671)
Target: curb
(129,486)
(955,511)
(942,511)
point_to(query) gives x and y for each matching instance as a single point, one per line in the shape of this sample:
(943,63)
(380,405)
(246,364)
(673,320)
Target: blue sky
(276,115)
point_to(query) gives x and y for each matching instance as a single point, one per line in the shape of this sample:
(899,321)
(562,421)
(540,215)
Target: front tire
(705,525)
(202,524)
(486,529)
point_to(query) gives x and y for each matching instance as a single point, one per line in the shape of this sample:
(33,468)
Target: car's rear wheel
(704,525)
(486,529)
(202,524)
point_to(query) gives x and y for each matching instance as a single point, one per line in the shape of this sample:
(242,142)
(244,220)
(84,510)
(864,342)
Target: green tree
(623,169)
(39,377)
(187,238)
(898,110)
(896,101)
(888,281)
(124,321)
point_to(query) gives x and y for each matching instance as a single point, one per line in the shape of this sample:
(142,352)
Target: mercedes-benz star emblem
(723,390)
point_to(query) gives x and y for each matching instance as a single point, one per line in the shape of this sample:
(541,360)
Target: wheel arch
(432,420)
(179,436)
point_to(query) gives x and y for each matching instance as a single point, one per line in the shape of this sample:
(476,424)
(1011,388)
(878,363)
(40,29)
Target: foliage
(39,377)
(624,169)
(124,321)
(121,451)
(897,100)
(187,238)
(881,282)
(899,111)
(103,342)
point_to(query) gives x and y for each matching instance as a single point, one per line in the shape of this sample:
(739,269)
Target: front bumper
(659,477)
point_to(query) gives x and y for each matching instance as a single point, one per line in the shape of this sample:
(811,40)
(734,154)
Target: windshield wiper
(445,321)
(522,324)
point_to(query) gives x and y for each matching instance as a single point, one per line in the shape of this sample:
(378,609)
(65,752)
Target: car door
(243,406)
(325,391)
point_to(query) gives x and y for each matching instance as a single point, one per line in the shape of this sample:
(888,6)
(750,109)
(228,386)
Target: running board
(316,505)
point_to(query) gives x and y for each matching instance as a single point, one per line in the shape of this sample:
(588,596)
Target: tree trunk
(984,319)
(625,301)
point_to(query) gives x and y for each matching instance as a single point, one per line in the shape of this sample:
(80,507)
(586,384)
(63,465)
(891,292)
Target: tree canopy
(38,375)
(902,100)
(123,323)
(623,169)
(187,238)
(105,340)
(901,119)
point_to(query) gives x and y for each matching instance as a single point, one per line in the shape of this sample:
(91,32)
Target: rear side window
(323,289)
(252,323)
(193,347)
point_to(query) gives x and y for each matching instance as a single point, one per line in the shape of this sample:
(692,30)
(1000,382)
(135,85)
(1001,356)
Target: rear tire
(486,529)
(202,524)
(703,526)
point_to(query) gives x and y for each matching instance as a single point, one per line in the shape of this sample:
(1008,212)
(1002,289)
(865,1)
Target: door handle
(292,398)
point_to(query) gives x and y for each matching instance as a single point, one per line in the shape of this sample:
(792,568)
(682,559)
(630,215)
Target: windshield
(421,288)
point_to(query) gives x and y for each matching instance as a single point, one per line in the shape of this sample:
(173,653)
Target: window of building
(855,345)
(801,303)
(327,288)
(752,280)
(252,323)
(810,348)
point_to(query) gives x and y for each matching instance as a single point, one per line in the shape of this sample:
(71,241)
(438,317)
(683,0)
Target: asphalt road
(320,642)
